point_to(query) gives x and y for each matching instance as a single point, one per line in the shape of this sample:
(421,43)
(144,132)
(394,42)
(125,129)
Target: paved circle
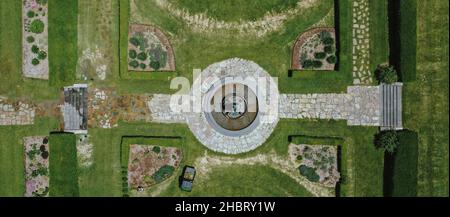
(255,119)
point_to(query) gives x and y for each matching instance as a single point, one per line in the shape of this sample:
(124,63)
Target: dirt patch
(149,49)
(150,164)
(315,49)
(103,110)
(36,166)
(318,163)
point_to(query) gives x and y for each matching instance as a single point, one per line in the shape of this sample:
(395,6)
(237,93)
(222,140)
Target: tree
(155,65)
(132,54)
(37,26)
(30,39)
(42,55)
(387,140)
(35,62)
(35,49)
(386,74)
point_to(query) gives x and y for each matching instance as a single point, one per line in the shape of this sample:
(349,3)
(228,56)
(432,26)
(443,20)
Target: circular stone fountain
(238,112)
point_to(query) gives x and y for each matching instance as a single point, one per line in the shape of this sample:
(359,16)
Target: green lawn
(426,99)
(63,165)
(238,181)
(62,37)
(235,10)
(379,33)
(404,179)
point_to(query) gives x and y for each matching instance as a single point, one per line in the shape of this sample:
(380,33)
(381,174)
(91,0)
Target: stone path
(161,112)
(16,113)
(359,106)
(361,43)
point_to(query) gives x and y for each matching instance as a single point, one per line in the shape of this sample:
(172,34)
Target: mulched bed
(36,166)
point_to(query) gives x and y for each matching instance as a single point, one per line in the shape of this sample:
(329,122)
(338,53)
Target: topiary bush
(132,54)
(35,49)
(134,64)
(156,149)
(387,140)
(30,39)
(134,41)
(42,55)
(30,14)
(386,74)
(35,62)
(328,41)
(320,55)
(163,173)
(317,64)
(309,173)
(154,65)
(332,59)
(37,26)
(328,49)
(142,56)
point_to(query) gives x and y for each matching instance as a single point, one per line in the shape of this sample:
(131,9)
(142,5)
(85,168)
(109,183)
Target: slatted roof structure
(75,108)
(391,106)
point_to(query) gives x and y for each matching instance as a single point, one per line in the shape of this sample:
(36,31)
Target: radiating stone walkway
(361,43)
(359,106)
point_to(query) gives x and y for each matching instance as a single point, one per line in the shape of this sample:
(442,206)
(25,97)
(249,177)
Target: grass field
(238,181)
(403,182)
(62,37)
(427,98)
(235,10)
(63,165)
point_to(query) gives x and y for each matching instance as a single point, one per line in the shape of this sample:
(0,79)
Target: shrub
(30,14)
(37,26)
(35,62)
(324,35)
(317,64)
(132,54)
(387,140)
(299,157)
(320,55)
(142,56)
(332,59)
(35,49)
(156,149)
(328,49)
(142,65)
(163,173)
(30,39)
(134,41)
(42,55)
(309,173)
(328,41)
(134,64)
(154,65)
(386,74)
(307,64)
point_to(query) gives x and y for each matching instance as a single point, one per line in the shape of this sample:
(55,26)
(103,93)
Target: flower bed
(149,165)
(36,166)
(149,49)
(318,163)
(35,39)
(315,49)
